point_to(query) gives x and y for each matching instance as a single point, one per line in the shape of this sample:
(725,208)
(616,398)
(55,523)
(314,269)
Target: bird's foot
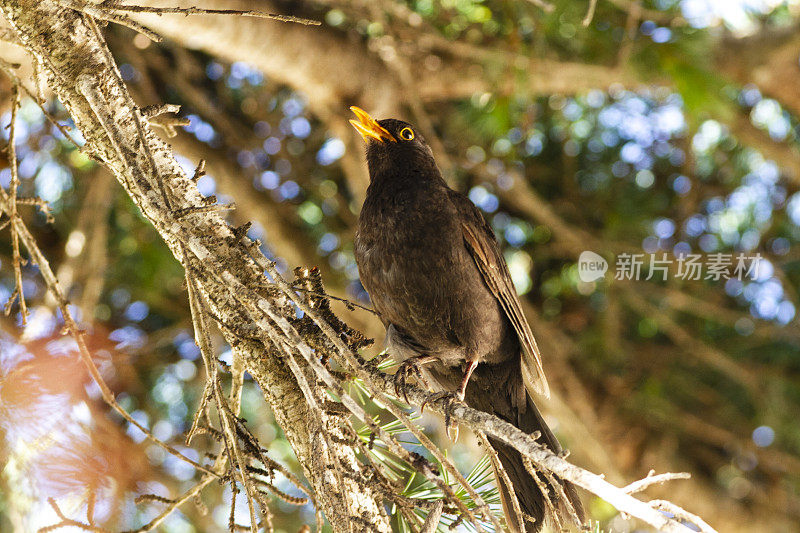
(405,370)
(451,399)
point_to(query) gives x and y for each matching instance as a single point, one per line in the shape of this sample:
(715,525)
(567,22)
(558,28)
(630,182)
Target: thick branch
(70,50)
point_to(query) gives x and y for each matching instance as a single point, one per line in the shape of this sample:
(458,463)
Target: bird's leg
(411,364)
(462,390)
(452,397)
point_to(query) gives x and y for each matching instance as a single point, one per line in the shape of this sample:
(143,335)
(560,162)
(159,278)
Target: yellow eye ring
(407,134)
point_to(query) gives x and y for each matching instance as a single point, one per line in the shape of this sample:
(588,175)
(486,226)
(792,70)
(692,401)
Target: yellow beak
(368,127)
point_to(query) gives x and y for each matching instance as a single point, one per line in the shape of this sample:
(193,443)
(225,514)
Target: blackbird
(437,279)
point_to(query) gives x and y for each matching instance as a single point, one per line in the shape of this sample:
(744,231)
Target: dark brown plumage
(435,275)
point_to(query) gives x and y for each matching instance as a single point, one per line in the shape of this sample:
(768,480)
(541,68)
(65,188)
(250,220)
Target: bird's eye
(407,134)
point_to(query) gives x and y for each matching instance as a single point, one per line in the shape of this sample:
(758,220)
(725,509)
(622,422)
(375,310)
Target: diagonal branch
(117,135)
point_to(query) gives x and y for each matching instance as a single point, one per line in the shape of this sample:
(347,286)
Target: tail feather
(529,493)
(499,389)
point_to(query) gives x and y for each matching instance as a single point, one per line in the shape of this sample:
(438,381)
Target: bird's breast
(420,276)
(403,241)
(406,235)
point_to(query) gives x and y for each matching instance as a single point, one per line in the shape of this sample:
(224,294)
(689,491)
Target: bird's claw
(450,401)
(401,377)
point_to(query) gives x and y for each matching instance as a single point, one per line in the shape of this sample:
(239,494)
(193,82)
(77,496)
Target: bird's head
(392,145)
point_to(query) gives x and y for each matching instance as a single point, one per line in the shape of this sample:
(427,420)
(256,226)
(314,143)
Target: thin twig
(7,68)
(681,514)
(432,520)
(548,501)
(204,343)
(444,460)
(653,479)
(100,12)
(589,14)
(96,100)
(202,11)
(189,494)
(345,301)
(40,204)
(12,212)
(154,114)
(68,522)
(199,171)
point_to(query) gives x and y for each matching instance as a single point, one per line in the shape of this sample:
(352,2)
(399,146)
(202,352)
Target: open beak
(368,127)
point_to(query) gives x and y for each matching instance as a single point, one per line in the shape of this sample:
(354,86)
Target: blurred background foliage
(683,144)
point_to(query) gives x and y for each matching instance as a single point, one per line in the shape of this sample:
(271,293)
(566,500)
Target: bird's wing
(483,247)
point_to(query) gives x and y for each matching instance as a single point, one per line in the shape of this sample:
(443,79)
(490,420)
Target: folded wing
(483,246)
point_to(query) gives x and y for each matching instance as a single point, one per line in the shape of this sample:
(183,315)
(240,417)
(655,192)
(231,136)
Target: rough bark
(78,67)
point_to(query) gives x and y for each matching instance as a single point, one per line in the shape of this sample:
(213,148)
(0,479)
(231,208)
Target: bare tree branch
(654,479)
(116,134)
